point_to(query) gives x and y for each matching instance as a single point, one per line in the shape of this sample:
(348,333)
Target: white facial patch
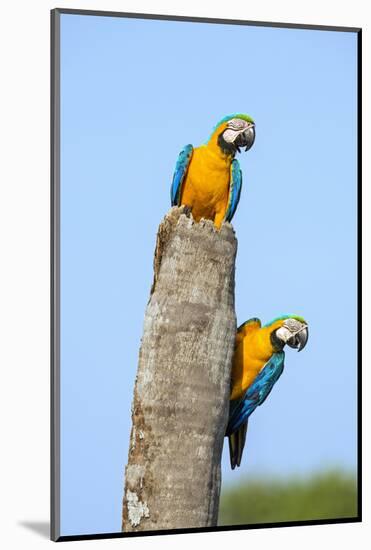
(237,124)
(289,328)
(283,334)
(235,127)
(293,325)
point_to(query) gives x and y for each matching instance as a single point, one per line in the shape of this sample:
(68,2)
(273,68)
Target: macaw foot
(187,210)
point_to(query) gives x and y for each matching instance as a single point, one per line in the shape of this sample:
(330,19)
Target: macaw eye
(236,124)
(292,324)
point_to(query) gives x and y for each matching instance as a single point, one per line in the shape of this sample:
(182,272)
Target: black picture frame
(55,271)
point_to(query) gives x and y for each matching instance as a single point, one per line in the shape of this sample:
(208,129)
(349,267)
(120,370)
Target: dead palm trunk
(181,394)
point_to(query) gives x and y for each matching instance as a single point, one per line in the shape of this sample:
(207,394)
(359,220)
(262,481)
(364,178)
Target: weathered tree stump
(181,394)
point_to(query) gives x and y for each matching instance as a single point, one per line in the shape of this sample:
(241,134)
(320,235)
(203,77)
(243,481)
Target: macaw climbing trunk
(181,395)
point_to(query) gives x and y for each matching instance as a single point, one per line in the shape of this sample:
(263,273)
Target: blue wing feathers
(181,168)
(234,190)
(256,394)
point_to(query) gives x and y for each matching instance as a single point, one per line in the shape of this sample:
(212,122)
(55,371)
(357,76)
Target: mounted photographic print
(205,214)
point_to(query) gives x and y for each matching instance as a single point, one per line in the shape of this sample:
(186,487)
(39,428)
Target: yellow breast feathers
(253,349)
(206,185)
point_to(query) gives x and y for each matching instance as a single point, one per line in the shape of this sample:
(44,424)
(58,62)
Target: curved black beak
(246,139)
(299,339)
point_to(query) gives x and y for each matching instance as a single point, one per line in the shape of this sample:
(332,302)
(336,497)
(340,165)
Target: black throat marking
(276,342)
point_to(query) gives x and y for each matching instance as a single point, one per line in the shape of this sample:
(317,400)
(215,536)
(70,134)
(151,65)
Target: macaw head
(233,132)
(289,329)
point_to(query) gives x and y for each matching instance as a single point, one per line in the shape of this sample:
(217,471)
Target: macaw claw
(187,210)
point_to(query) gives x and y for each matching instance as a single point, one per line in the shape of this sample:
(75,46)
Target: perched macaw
(257,365)
(208,179)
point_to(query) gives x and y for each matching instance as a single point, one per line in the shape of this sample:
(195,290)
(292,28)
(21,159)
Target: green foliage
(325,495)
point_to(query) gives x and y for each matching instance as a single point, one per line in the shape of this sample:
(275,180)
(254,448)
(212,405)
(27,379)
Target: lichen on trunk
(181,394)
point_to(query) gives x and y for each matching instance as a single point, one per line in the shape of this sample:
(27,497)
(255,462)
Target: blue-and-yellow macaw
(257,365)
(208,179)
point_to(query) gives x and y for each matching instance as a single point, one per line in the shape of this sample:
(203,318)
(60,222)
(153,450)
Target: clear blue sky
(134,92)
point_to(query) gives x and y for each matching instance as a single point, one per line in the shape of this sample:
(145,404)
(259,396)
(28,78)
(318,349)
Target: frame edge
(54,275)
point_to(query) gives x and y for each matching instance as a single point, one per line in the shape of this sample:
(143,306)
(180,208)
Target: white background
(24,273)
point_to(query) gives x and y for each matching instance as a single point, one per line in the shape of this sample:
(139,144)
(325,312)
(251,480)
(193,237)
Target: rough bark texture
(181,394)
